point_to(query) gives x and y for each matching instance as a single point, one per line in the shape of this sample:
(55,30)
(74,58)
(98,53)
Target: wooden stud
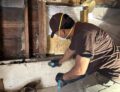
(42,28)
(26,33)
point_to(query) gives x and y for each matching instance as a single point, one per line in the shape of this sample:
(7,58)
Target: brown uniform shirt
(92,42)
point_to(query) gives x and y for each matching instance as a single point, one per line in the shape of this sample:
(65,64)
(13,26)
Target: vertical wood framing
(76,2)
(26,31)
(42,28)
(2,88)
(1,35)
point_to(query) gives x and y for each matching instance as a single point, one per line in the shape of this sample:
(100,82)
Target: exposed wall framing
(26,32)
(33,27)
(37,28)
(65,1)
(11,28)
(42,28)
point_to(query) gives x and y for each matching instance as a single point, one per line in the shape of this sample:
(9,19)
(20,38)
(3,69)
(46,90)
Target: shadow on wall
(109,3)
(110,11)
(111,24)
(31,87)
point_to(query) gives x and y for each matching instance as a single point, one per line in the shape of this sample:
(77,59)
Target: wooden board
(2,89)
(11,29)
(25,33)
(13,22)
(33,26)
(42,28)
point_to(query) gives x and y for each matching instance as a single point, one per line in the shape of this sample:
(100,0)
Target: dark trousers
(93,83)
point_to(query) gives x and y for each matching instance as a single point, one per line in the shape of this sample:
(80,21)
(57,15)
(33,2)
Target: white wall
(108,19)
(15,76)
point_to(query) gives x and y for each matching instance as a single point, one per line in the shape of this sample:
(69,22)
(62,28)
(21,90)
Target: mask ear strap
(71,30)
(60,24)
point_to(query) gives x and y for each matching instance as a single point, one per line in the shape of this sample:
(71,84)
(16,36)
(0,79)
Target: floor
(49,89)
(72,87)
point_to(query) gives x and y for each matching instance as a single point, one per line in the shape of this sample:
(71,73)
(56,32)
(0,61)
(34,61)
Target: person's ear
(66,16)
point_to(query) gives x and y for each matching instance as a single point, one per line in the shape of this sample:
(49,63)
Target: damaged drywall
(16,76)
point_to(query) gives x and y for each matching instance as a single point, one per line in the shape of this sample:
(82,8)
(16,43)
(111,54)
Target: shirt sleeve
(83,43)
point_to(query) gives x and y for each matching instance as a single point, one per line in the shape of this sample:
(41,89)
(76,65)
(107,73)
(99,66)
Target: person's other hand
(60,81)
(54,63)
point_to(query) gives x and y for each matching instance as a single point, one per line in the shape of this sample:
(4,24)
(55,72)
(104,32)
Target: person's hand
(60,81)
(54,63)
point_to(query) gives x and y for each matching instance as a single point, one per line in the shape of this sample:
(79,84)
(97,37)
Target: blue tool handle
(51,64)
(59,85)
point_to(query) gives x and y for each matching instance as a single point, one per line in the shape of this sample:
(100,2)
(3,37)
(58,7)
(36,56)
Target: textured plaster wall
(18,75)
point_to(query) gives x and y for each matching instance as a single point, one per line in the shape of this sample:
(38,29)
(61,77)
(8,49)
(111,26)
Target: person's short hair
(66,22)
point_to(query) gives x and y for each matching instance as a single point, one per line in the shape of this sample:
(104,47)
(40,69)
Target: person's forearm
(80,68)
(68,54)
(74,73)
